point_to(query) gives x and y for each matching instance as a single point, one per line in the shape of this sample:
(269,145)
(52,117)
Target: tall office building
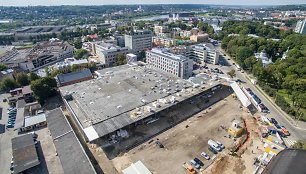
(177,65)
(138,41)
(300,27)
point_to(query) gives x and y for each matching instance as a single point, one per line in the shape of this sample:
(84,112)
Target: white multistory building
(300,27)
(177,65)
(138,41)
(108,53)
(203,53)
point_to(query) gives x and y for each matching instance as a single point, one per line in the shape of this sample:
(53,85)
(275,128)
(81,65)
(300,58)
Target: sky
(105,2)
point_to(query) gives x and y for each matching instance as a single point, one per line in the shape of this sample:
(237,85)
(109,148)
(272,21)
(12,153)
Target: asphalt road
(5,139)
(297,133)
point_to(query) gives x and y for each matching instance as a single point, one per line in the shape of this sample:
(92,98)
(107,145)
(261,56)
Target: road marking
(289,142)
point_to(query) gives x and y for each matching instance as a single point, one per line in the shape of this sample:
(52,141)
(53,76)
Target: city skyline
(119,2)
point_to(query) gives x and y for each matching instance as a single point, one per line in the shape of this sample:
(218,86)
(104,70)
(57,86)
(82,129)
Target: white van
(214,145)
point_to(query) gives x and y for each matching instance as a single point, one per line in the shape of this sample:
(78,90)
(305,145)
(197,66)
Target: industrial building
(69,149)
(73,77)
(138,41)
(203,53)
(108,53)
(24,154)
(177,65)
(45,54)
(123,97)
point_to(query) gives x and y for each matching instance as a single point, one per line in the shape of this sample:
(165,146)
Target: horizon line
(149,4)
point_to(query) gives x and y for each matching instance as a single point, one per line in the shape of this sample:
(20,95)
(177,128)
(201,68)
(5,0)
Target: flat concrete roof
(70,151)
(24,153)
(123,95)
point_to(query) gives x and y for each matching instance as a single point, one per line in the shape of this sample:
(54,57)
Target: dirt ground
(186,140)
(244,164)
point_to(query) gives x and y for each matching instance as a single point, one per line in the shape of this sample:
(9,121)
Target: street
(297,133)
(5,138)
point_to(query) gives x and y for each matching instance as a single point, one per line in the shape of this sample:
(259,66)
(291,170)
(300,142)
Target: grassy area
(24,46)
(285,95)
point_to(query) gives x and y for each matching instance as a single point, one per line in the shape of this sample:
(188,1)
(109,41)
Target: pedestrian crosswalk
(289,142)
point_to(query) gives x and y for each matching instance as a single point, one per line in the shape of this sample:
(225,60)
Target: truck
(214,145)
(189,168)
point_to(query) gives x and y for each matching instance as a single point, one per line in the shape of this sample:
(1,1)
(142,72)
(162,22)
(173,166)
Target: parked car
(278,126)
(214,145)
(159,144)
(195,164)
(197,160)
(281,134)
(12,116)
(205,155)
(212,150)
(220,145)
(10,126)
(285,131)
(274,121)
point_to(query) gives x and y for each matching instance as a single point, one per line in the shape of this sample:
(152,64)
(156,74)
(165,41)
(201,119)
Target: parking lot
(185,141)
(5,138)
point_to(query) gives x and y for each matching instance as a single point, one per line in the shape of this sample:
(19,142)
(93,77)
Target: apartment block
(163,41)
(108,53)
(177,65)
(203,53)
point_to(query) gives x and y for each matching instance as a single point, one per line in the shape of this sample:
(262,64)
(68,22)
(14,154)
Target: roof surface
(24,153)
(287,161)
(32,120)
(72,155)
(136,168)
(26,90)
(109,102)
(64,78)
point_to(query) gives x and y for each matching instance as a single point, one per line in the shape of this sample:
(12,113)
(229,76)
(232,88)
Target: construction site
(137,115)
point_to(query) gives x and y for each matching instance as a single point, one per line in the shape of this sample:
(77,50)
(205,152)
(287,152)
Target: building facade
(177,65)
(163,41)
(138,41)
(203,53)
(200,38)
(45,54)
(108,53)
(300,27)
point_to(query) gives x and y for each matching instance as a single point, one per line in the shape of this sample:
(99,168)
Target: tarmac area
(186,140)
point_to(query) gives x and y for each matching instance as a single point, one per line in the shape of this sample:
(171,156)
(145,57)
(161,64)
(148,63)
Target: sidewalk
(297,124)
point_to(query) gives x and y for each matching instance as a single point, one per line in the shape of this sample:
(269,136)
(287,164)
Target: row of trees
(41,87)
(285,80)
(21,79)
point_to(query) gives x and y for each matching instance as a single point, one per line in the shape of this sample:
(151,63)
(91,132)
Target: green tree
(121,60)
(22,79)
(43,88)
(78,43)
(242,54)
(33,76)
(8,84)
(3,67)
(81,54)
(232,73)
